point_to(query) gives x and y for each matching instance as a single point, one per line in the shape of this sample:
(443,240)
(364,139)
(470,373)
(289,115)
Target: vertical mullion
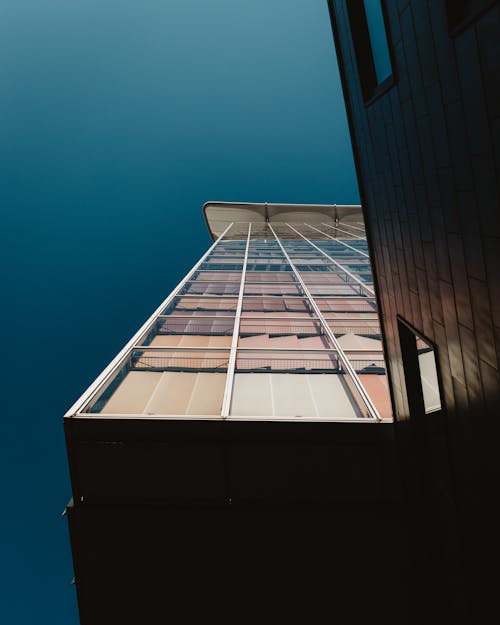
(351,226)
(146,327)
(338,240)
(356,236)
(372,411)
(228,390)
(362,284)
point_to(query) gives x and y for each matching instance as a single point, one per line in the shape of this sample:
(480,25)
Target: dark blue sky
(118,120)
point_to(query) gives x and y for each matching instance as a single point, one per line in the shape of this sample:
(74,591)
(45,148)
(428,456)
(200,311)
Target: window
(428,376)
(421,371)
(369,34)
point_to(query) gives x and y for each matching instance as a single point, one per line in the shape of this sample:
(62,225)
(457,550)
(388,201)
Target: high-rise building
(246,431)
(422,91)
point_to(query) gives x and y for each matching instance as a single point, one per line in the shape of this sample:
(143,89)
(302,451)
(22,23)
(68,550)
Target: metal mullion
(277,295)
(291,350)
(284,318)
(228,389)
(181,348)
(356,236)
(319,284)
(344,269)
(306,350)
(218,279)
(120,358)
(364,298)
(372,411)
(286,283)
(194,317)
(208,296)
(351,226)
(184,417)
(338,240)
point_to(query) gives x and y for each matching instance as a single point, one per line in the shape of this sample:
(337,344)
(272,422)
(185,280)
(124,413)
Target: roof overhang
(218,215)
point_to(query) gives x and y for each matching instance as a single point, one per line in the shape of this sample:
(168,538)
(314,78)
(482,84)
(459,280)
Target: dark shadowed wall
(428,158)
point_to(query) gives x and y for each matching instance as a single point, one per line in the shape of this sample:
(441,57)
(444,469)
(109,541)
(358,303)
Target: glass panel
(275,304)
(287,361)
(361,327)
(378,39)
(344,304)
(289,395)
(428,376)
(209,304)
(148,359)
(195,325)
(272,289)
(199,287)
(226,276)
(286,364)
(167,382)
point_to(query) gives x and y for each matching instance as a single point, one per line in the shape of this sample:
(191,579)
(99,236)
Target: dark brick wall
(428,158)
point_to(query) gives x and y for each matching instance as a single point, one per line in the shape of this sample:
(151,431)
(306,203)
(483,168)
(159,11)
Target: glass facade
(276,321)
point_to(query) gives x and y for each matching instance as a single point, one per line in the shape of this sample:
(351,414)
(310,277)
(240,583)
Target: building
(421,86)
(235,460)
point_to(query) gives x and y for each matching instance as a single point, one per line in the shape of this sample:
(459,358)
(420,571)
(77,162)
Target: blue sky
(118,120)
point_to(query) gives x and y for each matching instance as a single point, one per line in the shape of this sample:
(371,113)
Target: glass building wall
(274,322)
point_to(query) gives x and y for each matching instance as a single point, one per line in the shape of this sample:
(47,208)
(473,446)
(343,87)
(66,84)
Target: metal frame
(338,241)
(105,377)
(344,269)
(228,390)
(351,226)
(356,236)
(271,350)
(370,406)
(264,317)
(184,417)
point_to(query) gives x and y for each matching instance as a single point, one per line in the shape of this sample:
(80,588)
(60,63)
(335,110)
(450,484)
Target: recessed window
(421,371)
(428,376)
(371,45)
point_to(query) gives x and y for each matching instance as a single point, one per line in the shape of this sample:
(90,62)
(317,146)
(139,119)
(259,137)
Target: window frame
(371,89)
(408,336)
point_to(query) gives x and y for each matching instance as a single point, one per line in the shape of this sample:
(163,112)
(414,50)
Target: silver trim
(335,262)
(118,360)
(355,227)
(372,411)
(344,231)
(183,417)
(338,240)
(228,390)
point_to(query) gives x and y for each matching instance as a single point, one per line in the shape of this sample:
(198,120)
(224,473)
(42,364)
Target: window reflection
(428,376)
(378,39)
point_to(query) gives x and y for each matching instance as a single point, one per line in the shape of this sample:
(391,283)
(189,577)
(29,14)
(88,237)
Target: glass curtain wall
(276,322)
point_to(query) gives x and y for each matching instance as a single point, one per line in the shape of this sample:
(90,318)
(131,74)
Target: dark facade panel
(427,153)
(238,522)
(139,461)
(244,565)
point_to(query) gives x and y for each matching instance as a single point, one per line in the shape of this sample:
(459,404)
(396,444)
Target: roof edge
(333,209)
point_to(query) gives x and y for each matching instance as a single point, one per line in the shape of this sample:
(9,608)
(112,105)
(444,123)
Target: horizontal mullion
(208,317)
(266,350)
